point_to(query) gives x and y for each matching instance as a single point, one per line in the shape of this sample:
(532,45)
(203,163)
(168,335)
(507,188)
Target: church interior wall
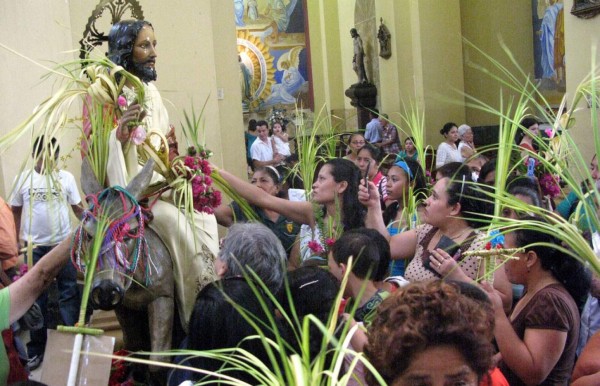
(442,65)
(429,63)
(581,47)
(484,25)
(40,31)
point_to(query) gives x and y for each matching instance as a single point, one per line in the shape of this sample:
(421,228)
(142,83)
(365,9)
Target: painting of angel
(292,82)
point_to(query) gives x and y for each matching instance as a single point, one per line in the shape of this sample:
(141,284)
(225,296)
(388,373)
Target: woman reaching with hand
(337,208)
(450,219)
(406,180)
(266,178)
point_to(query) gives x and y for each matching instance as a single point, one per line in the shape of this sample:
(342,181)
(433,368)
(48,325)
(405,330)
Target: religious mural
(272,54)
(549,48)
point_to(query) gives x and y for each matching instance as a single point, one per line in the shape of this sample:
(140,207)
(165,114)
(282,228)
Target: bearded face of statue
(144,55)
(132,44)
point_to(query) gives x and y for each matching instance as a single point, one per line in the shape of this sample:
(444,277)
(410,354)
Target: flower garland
(278,115)
(325,235)
(545,166)
(120,370)
(195,170)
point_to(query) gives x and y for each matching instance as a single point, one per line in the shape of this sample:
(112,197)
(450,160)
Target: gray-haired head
(253,246)
(462,129)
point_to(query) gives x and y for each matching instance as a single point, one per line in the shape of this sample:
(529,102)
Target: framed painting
(585,9)
(549,49)
(273,53)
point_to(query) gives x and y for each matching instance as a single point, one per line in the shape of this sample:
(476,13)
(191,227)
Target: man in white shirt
(374,129)
(40,204)
(262,148)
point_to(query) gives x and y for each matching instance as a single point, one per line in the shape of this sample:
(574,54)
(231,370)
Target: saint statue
(358,61)
(384,35)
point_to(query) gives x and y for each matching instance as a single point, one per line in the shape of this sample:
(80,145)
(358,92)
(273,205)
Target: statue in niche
(358,61)
(245,80)
(384,36)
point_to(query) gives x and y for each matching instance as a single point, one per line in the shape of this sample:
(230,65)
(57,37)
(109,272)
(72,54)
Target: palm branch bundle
(194,134)
(559,156)
(313,147)
(290,362)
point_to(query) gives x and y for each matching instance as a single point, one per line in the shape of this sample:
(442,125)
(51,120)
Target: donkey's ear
(89,181)
(140,182)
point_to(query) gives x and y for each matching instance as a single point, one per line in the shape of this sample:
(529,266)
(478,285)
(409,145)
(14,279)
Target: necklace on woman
(456,236)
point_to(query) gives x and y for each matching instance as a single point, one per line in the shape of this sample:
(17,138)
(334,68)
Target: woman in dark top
(537,342)
(267,179)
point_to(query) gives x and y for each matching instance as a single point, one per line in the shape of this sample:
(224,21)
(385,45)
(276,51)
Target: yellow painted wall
(390,89)
(401,76)
(581,35)
(196,56)
(40,31)
(484,25)
(442,65)
(331,56)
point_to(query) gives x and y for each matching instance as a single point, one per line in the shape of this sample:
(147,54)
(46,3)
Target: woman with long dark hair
(335,193)
(406,180)
(538,340)
(453,212)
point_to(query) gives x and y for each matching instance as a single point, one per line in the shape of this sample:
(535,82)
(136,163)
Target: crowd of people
(416,297)
(521,327)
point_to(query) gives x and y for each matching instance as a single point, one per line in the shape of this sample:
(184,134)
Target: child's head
(370,252)
(278,127)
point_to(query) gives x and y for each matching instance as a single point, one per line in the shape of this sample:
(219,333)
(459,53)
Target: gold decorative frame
(253,50)
(94,35)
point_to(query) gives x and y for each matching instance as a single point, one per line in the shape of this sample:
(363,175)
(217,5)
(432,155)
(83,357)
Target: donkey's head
(123,246)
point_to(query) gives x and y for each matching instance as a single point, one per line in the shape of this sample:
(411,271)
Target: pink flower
(205,167)
(198,187)
(550,185)
(330,241)
(122,101)
(315,247)
(138,136)
(215,199)
(189,162)
(549,133)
